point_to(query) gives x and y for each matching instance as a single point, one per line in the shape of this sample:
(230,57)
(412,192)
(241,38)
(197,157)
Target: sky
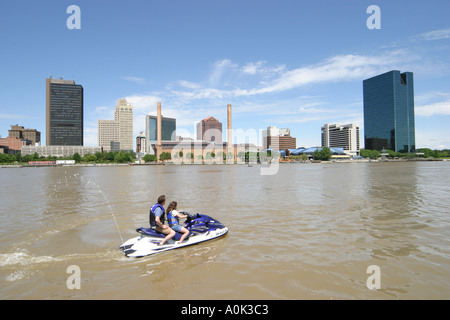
(293,64)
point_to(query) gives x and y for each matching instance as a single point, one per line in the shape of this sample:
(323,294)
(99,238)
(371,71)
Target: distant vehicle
(65,161)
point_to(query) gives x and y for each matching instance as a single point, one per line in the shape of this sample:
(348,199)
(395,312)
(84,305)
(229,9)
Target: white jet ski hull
(147,245)
(202,228)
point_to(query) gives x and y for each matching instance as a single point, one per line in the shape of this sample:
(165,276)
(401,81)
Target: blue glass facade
(389,112)
(168,128)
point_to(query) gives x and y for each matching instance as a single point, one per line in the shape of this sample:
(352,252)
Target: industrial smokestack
(229,139)
(158,131)
(158,125)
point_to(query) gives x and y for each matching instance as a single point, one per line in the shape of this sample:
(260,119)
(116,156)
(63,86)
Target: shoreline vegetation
(123,158)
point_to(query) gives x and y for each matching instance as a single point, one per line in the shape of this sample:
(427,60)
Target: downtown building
(64,113)
(278,139)
(341,136)
(389,112)
(18,137)
(117,134)
(141,143)
(168,131)
(32,135)
(123,114)
(210,130)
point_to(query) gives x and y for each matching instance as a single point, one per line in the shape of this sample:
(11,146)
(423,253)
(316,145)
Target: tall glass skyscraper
(168,130)
(389,112)
(64,110)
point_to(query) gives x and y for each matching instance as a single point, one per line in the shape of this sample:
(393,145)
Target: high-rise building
(168,130)
(123,114)
(117,134)
(278,139)
(209,129)
(108,134)
(141,143)
(389,112)
(341,136)
(64,113)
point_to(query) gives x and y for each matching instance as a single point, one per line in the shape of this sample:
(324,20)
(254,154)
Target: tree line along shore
(122,157)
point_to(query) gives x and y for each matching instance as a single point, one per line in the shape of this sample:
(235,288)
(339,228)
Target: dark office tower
(389,112)
(64,109)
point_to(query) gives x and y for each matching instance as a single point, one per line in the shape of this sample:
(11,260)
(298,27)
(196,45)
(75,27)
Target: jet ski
(201,228)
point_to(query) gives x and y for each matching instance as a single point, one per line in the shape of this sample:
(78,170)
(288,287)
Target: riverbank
(211,163)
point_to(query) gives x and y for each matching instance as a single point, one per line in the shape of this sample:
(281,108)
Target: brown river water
(310,231)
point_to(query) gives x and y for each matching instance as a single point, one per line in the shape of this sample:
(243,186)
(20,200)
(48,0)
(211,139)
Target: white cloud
(261,67)
(338,68)
(227,73)
(433,109)
(9,116)
(144,103)
(220,69)
(134,79)
(435,35)
(189,85)
(433,139)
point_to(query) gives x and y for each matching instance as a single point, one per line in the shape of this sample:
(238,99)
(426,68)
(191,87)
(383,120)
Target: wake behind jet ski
(201,228)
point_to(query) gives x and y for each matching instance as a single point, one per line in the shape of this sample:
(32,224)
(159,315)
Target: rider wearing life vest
(157,217)
(161,213)
(173,217)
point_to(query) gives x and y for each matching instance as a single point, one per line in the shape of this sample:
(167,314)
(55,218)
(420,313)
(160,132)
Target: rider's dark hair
(172,205)
(161,199)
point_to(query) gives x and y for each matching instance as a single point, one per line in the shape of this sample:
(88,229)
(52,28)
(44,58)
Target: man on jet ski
(157,217)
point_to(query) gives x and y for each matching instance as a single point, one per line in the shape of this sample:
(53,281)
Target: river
(310,231)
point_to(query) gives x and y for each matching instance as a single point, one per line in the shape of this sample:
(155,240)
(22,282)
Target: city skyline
(295,64)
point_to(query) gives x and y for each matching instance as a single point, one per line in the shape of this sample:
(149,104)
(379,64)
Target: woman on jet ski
(173,217)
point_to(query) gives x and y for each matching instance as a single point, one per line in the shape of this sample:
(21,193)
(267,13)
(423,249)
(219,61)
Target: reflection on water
(310,231)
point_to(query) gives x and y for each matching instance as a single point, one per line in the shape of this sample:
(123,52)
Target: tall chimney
(158,132)
(229,139)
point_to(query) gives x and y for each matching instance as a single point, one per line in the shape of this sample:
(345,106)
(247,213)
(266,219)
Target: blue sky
(291,64)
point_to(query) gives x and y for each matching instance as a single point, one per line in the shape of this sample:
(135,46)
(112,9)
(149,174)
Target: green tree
(435,154)
(426,152)
(7,158)
(76,157)
(325,153)
(122,157)
(165,156)
(89,157)
(373,154)
(100,156)
(149,158)
(109,156)
(19,157)
(27,158)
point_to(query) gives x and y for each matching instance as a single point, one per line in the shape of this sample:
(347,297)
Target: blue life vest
(152,215)
(172,219)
